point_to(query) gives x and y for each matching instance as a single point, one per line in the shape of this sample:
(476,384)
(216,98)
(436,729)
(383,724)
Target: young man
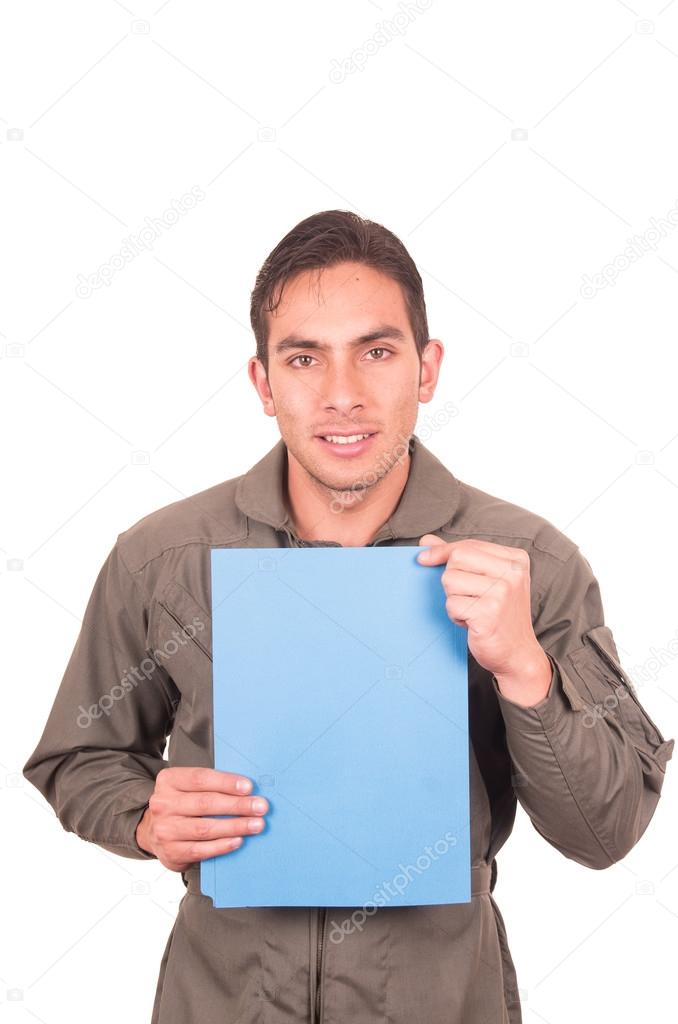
(343,361)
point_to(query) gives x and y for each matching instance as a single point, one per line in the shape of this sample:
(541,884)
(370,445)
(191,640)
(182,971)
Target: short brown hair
(323,240)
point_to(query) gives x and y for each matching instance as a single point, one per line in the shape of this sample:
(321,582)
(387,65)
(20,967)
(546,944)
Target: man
(343,360)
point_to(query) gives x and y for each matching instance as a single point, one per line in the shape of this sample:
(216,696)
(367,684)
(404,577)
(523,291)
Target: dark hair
(323,240)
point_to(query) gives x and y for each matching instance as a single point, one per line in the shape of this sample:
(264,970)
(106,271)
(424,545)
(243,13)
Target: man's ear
(259,377)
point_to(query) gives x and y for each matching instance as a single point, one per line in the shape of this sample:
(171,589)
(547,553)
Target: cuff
(535,716)
(123,841)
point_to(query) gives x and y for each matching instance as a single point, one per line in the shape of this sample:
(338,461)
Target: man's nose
(343,389)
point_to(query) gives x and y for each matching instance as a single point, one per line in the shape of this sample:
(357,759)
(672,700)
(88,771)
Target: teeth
(345,440)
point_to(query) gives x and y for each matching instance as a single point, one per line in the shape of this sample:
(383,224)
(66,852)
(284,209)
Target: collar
(428,501)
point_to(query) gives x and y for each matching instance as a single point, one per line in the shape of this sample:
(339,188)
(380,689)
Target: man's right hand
(174,827)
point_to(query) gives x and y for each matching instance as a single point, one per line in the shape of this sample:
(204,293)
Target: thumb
(428,538)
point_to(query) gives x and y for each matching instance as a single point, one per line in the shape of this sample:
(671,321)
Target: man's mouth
(346,444)
(349,439)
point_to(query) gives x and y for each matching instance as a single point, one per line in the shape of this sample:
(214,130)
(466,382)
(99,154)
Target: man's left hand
(487,588)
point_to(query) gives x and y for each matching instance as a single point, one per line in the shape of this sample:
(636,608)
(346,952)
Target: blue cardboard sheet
(340,688)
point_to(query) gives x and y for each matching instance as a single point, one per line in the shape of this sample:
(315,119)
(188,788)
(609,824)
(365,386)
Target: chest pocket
(183,635)
(612,693)
(182,632)
(191,623)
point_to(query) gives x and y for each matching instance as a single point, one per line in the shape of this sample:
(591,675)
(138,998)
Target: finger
(500,550)
(486,562)
(460,583)
(195,851)
(196,804)
(437,552)
(431,538)
(460,610)
(192,780)
(472,557)
(491,547)
(207,829)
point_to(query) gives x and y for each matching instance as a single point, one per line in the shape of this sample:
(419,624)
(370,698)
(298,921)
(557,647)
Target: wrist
(531,683)
(141,833)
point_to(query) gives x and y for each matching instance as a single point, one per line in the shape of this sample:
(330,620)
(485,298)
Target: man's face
(343,360)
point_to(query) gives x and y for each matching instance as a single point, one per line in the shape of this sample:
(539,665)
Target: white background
(514,148)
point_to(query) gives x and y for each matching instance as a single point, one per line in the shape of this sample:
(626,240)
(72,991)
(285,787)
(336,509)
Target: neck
(352,518)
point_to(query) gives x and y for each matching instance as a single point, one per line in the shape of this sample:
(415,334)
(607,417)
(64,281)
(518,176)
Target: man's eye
(379,348)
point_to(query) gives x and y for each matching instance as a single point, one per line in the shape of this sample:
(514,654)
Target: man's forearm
(587,789)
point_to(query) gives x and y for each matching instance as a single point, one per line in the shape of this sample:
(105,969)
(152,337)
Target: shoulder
(209,517)
(487,516)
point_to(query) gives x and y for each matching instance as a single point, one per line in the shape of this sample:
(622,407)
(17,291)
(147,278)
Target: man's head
(340,323)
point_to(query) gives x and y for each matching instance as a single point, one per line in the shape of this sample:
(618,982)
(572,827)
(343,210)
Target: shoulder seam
(513,536)
(211,541)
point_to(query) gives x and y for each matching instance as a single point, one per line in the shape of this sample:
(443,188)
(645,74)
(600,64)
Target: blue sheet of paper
(340,688)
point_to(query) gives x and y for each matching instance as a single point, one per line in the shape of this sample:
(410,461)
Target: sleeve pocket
(612,693)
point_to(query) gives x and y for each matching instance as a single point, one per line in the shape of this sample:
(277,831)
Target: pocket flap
(190,616)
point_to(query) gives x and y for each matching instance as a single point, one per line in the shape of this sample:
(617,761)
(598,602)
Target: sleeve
(104,739)
(589,761)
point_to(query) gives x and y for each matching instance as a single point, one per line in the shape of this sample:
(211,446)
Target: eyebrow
(383,331)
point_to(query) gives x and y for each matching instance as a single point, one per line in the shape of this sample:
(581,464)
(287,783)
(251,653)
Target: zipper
(616,669)
(322,913)
(183,629)
(294,540)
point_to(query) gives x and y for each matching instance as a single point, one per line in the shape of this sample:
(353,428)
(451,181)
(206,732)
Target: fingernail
(243,785)
(255,824)
(258,804)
